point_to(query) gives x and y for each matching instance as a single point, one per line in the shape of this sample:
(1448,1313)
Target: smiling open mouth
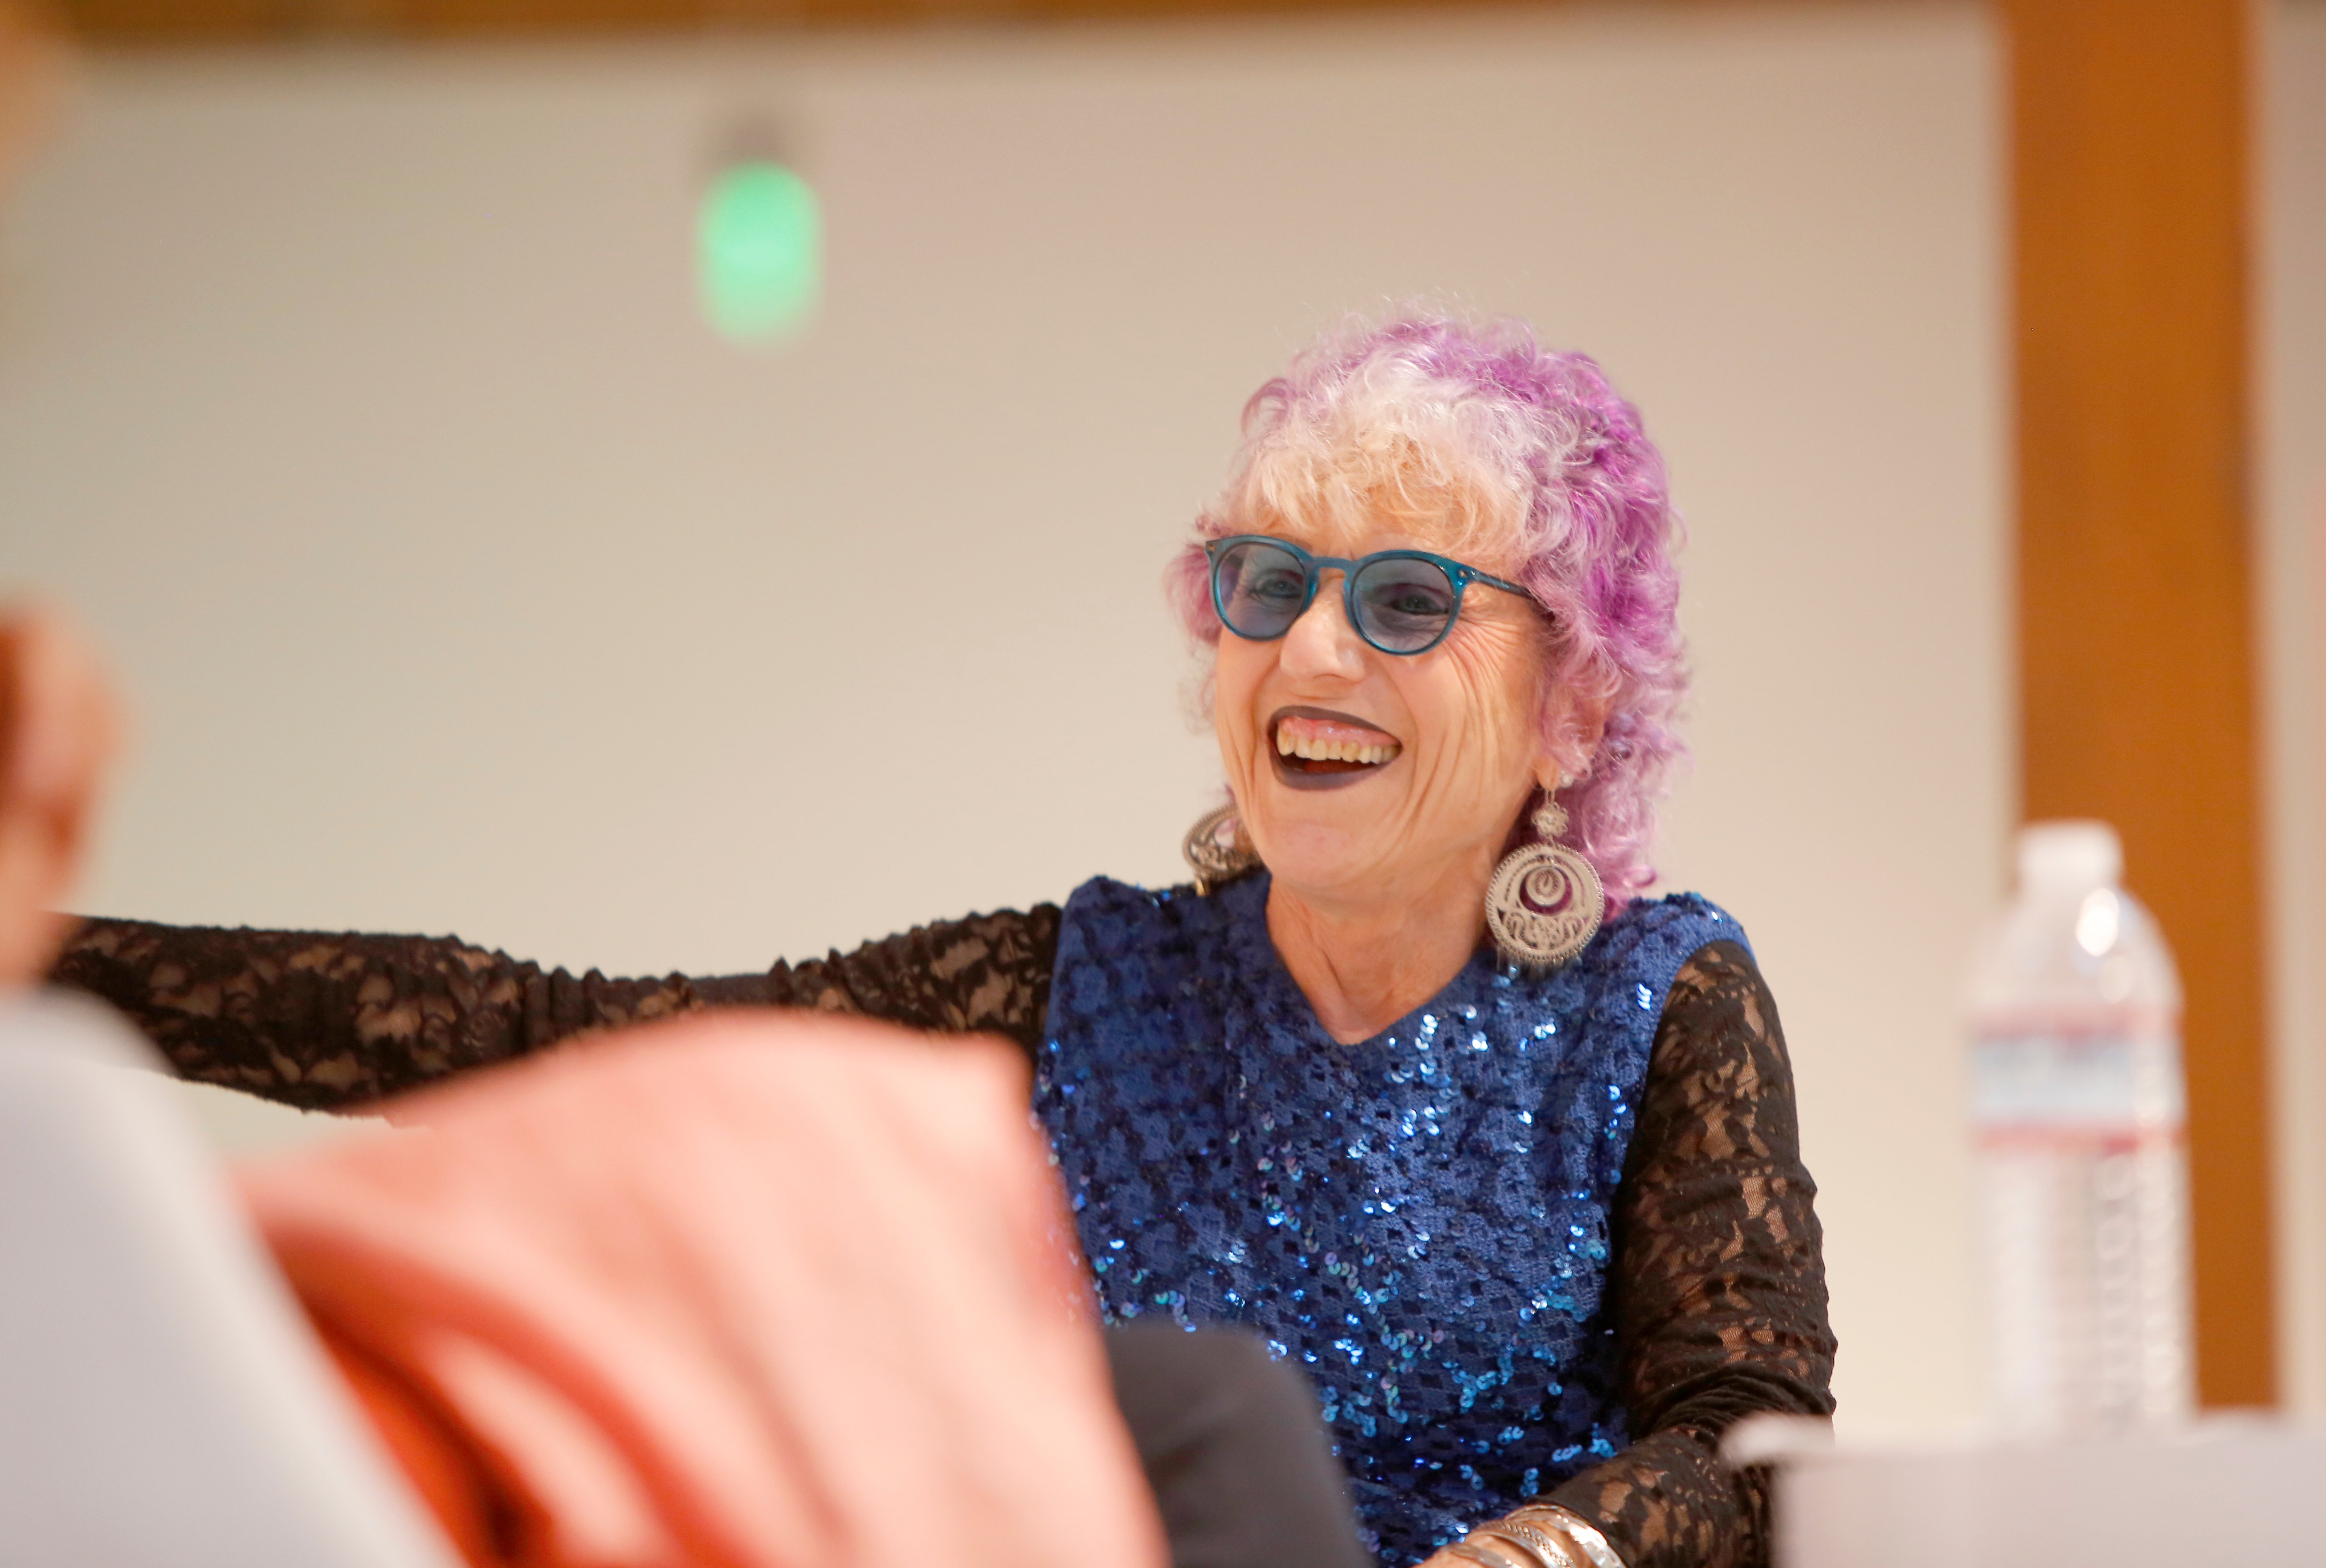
(1316,746)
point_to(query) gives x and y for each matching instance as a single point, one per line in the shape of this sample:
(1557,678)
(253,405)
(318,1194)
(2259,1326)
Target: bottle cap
(2069,857)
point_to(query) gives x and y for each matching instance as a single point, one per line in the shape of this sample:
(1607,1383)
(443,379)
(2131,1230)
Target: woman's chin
(1319,862)
(1322,834)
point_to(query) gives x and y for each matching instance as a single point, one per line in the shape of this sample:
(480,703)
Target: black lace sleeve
(1718,1283)
(330,1021)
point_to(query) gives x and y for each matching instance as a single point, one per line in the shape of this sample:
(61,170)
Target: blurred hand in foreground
(755,1288)
(59,731)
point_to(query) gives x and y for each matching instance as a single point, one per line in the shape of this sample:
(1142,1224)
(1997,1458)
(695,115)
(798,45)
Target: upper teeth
(1321,750)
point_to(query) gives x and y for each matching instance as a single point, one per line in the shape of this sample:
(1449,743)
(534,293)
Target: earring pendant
(1217,849)
(1545,902)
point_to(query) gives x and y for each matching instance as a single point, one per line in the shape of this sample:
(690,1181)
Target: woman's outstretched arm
(1717,1281)
(330,1020)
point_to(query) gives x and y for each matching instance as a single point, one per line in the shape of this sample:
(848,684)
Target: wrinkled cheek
(1481,760)
(1505,705)
(1233,723)
(1491,732)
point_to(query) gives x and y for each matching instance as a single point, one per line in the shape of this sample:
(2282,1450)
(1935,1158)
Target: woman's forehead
(1354,530)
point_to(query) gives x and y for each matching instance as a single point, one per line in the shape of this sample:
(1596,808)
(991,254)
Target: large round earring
(1545,902)
(1217,850)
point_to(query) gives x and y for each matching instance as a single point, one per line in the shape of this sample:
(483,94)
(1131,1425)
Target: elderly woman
(1413,1080)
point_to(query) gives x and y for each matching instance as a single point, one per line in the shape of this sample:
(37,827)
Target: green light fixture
(760,235)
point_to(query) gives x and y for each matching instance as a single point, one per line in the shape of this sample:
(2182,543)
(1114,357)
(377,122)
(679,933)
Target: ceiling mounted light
(760,241)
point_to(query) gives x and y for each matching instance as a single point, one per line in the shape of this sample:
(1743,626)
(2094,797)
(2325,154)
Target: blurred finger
(59,731)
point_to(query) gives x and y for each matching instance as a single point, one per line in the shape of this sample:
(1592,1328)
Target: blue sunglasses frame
(1460,574)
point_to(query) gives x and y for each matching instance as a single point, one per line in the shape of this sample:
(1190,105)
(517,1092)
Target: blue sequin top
(1421,1220)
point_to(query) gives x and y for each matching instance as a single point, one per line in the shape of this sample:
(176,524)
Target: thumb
(59,731)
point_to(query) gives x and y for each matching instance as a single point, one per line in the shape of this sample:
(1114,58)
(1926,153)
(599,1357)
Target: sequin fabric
(1421,1220)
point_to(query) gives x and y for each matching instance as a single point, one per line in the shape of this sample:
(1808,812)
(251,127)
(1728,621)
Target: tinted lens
(1259,588)
(1404,606)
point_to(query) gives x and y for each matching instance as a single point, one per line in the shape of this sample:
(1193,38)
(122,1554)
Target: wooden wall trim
(165,22)
(2137,640)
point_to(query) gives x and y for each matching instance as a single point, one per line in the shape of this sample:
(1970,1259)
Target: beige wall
(2291,379)
(464,582)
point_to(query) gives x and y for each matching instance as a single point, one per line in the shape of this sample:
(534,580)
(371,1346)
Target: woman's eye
(1407,601)
(1277,587)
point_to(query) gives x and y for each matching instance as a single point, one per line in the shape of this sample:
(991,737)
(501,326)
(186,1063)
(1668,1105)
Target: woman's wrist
(1539,1536)
(1502,1544)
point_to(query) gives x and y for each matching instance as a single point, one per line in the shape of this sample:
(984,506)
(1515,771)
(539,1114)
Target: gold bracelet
(1483,1556)
(1549,1550)
(1596,1550)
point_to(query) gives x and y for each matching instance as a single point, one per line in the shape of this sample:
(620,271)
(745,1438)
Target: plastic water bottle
(2078,1105)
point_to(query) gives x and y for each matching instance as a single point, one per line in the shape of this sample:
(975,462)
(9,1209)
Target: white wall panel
(2291,344)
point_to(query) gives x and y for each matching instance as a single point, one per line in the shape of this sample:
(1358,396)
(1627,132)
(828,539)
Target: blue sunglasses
(1401,601)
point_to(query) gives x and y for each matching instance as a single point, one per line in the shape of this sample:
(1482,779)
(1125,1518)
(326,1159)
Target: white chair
(162,1400)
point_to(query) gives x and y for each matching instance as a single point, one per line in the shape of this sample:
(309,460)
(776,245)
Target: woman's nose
(1322,641)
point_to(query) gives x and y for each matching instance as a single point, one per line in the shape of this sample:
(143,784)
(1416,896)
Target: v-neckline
(1264,968)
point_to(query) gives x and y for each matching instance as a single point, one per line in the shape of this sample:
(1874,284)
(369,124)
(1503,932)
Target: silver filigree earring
(1545,902)
(1216,849)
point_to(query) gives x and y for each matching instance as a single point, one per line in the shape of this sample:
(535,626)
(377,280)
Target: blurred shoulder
(1680,918)
(1103,913)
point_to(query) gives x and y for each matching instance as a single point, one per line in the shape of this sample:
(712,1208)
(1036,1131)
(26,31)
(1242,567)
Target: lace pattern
(329,1021)
(1718,1280)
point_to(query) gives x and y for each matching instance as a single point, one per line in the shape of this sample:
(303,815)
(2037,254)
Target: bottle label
(2065,1086)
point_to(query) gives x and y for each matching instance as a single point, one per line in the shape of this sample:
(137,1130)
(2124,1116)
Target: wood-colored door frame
(2137,639)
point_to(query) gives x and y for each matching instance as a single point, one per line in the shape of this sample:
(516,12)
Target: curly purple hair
(1500,446)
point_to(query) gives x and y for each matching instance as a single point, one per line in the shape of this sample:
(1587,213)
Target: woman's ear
(1571,742)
